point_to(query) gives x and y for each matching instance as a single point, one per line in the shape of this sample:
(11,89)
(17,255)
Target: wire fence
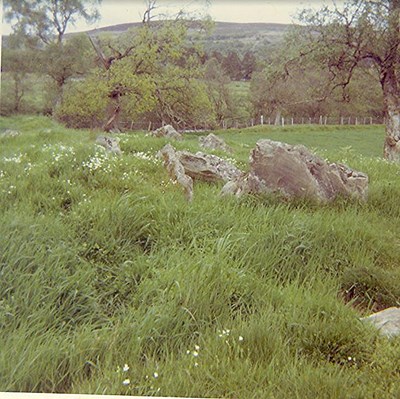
(239,123)
(284,121)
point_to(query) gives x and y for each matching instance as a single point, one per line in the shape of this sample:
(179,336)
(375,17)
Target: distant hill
(222,29)
(225,36)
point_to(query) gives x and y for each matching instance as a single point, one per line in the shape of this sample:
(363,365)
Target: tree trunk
(277,118)
(390,84)
(391,150)
(391,95)
(18,92)
(114,110)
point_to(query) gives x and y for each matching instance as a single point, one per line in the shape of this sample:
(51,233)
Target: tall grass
(104,264)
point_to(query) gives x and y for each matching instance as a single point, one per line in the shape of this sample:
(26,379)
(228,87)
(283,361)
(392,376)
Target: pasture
(111,283)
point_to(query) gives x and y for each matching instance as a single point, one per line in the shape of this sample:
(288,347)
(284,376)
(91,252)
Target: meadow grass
(111,283)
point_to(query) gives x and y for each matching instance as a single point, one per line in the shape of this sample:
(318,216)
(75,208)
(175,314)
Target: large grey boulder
(111,144)
(386,321)
(166,131)
(184,167)
(176,171)
(208,167)
(295,172)
(213,142)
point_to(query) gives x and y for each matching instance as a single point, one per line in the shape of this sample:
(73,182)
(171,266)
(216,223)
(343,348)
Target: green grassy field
(111,283)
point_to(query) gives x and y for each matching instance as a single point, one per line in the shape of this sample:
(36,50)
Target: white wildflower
(146,157)
(126,382)
(125,368)
(224,333)
(17,158)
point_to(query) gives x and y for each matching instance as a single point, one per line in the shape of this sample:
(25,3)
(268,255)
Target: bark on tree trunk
(391,150)
(391,86)
(19,93)
(114,110)
(391,95)
(277,118)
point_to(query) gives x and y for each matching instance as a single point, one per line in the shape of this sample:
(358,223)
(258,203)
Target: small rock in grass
(386,321)
(111,144)
(166,131)
(10,133)
(208,167)
(212,142)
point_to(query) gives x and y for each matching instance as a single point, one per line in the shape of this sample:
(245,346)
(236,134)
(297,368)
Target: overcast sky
(121,11)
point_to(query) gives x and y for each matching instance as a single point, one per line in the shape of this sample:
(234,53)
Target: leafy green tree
(218,90)
(17,64)
(358,34)
(40,25)
(84,102)
(48,19)
(62,63)
(153,71)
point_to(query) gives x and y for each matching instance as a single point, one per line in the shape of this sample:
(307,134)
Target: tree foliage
(17,63)
(303,91)
(48,19)
(152,71)
(218,90)
(39,26)
(359,34)
(84,102)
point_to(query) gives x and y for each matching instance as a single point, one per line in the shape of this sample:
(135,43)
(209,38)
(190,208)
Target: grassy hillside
(222,30)
(225,36)
(104,267)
